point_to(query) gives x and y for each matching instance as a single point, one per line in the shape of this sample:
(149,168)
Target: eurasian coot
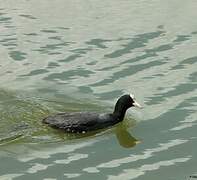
(82,122)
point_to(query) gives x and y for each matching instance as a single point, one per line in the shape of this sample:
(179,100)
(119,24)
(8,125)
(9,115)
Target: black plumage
(81,122)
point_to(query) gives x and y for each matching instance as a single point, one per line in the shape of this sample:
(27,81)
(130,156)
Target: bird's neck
(119,112)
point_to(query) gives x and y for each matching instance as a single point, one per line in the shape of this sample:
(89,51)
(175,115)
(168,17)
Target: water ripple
(134,173)
(18,55)
(27,16)
(99,43)
(66,75)
(128,71)
(132,158)
(137,42)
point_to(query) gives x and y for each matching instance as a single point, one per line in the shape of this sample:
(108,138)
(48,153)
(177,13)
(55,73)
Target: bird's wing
(73,121)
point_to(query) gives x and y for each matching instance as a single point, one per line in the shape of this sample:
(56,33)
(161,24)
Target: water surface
(81,56)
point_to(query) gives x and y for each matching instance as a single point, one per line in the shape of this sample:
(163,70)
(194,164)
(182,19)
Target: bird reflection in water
(125,139)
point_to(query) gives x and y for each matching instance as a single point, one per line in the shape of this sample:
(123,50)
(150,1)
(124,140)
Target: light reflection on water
(83,56)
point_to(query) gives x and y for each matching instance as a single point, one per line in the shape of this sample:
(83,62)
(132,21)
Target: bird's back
(79,121)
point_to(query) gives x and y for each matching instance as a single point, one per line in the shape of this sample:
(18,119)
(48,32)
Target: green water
(66,55)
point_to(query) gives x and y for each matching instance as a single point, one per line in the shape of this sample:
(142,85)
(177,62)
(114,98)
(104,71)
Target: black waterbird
(82,122)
